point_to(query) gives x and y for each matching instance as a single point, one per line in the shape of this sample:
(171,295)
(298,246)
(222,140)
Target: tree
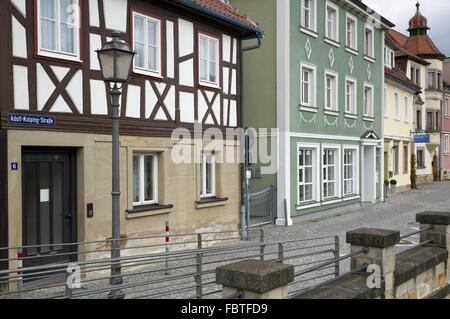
(413,172)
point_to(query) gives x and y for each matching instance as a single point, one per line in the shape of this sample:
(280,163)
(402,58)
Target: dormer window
(58,29)
(389,58)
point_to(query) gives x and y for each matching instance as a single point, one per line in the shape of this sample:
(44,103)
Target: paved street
(398,213)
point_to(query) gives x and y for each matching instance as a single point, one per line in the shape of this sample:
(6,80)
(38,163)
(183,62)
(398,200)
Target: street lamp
(115,59)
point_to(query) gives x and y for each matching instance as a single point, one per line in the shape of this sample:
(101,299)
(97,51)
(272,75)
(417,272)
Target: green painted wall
(319,57)
(259,69)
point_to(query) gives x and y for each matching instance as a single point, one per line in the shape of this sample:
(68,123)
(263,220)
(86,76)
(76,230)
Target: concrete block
(371,237)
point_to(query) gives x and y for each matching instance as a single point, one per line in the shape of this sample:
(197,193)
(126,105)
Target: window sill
(369,119)
(148,210)
(351,116)
(348,198)
(209,85)
(332,42)
(211,202)
(331,112)
(306,205)
(332,200)
(58,56)
(309,32)
(368,58)
(154,75)
(311,109)
(352,51)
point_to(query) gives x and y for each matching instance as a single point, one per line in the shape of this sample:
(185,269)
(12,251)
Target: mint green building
(319,79)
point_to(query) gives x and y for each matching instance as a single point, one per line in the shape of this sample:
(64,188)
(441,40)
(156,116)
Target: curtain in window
(139,60)
(136,179)
(203,59)
(67,25)
(48,24)
(152,45)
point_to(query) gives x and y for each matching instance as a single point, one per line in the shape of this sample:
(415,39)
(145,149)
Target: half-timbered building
(55,128)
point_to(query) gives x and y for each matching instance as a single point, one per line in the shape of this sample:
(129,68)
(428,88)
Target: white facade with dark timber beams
(55,118)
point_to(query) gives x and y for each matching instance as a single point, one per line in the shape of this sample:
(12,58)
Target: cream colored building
(400,97)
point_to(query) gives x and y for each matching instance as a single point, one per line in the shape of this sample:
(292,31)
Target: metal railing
(418,232)
(262,207)
(186,271)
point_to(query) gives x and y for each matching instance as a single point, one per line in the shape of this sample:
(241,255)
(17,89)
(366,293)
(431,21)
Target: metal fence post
(337,270)
(199,275)
(280,253)
(69,290)
(262,249)
(167,272)
(20,273)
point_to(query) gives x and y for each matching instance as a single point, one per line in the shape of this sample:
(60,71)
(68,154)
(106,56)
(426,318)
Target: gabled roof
(399,76)
(423,46)
(400,40)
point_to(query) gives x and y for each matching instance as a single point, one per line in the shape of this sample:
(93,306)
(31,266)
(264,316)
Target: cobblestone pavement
(399,213)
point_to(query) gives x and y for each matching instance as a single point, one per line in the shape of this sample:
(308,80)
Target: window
(145,177)
(368,100)
(368,42)
(332,22)
(421,158)
(147,44)
(350,172)
(208,175)
(431,80)
(208,58)
(447,107)
(389,58)
(331,91)
(437,123)
(307,87)
(351,33)
(415,75)
(350,96)
(308,14)
(405,159)
(396,106)
(446,144)
(406,110)
(329,178)
(58,29)
(429,121)
(395,151)
(306,175)
(419,120)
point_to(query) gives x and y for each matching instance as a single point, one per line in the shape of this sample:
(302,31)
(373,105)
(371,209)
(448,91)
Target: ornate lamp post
(115,59)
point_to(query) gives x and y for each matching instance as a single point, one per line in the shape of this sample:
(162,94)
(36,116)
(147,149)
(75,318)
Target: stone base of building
(425,179)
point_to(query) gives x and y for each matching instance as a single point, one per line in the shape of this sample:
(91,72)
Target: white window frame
(354,110)
(335,94)
(389,58)
(203,181)
(446,144)
(369,114)
(217,43)
(59,54)
(312,86)
(355,35)
(313,16)
(145,70)
(142,201)
(336,22)
(337,169)
(370,54)
(315,148)
(447,107)
(397,106)
(355,150)
(406,109)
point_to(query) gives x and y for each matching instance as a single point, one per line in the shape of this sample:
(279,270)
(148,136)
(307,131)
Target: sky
(400,12)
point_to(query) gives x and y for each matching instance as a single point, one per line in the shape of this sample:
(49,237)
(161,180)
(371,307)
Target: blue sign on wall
(14,166)
(21,119)
(422,139)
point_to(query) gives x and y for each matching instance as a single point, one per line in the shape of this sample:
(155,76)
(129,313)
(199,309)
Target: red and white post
(167,272)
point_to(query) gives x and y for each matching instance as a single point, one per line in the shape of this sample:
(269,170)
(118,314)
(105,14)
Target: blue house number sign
(14,166)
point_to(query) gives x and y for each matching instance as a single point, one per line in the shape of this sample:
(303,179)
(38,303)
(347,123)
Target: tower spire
(418,5)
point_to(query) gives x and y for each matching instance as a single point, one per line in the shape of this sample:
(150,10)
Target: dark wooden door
(49,216)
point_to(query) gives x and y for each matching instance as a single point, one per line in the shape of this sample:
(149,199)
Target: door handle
(69,217)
